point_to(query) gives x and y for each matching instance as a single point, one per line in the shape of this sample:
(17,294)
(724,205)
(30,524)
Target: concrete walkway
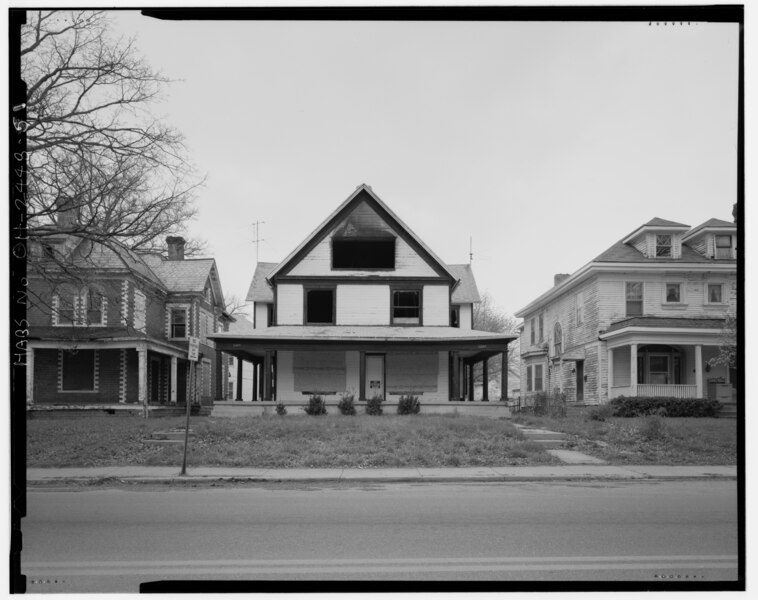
(462,474)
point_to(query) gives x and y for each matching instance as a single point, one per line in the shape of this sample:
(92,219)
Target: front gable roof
(338,218)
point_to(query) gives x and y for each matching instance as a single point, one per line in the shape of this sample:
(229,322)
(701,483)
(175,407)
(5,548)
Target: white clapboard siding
(622,366)
(363,222)
(436,305)
(289,304)
(464,316)
(363,304)
(261,315)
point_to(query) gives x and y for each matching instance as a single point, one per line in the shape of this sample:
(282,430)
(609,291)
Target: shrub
(664,406)
(600,413)
(549,405)
(408,405)
(374,406)
(316,406)
(281,410)
(346,404)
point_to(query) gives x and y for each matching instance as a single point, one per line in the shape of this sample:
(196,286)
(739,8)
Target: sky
(536,144)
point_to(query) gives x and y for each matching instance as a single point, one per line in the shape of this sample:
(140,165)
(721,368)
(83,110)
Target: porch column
(362,376)
(174,365)
(610,373)
(471,382)
(30,375)
(260,380)
(142,377)
(504,376)
(256,391)
(456,374)
(485,381)
(238,398)
(633,369)
(267,375)
(698,371)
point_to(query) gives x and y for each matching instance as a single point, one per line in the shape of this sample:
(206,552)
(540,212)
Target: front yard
(366,441)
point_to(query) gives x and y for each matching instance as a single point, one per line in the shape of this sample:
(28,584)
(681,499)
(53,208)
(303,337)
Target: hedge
(665,406)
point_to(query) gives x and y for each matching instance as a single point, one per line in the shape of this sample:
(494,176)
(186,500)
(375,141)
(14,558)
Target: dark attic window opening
(363,254)
(320,307)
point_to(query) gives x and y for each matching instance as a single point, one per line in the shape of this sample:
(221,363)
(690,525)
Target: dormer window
(723,246)
(365,254)
(663,246)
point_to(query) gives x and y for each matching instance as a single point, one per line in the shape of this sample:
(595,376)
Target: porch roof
(668,323)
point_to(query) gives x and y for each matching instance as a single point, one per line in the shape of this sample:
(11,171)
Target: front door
(580,381)
(374,375)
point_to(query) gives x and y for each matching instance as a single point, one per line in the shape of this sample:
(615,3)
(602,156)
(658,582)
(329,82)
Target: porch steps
(728,410)
(543,437)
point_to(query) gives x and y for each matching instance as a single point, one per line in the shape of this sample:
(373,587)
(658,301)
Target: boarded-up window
(319,372)
(78,370)
(412,373)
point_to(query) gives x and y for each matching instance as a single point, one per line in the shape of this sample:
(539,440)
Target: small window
(363,254)
(270,314)
(319,307)
(557,339)
(455,316)
(537,378)
(179,323)
(542,330)
(663,245)
(406,307)
(723,246)
(633,298)
(77,370)
(529,379)
(532,331)
(673,292)
(715,293)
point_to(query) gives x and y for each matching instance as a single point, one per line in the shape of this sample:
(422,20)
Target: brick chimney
(559,277)
(175,247)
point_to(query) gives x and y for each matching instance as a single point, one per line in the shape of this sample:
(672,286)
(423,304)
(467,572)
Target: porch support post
(471,382)
(174,370)
(633,369)
(504,375)
(142,377)
(256,391)
(485,380)
(362,376)
(267,375)
(238,397)
(698,371)
(456,376)
(260,380)
(30,376)
(610,373)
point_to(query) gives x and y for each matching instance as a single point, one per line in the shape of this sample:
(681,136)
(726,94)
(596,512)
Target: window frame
(729,247)
(455,315)
(529,375)
(722,293)
(541,325)
(320,288)
(541,370)
(680,286)
(532,331)
(420,293)
(557,339)
(178,307)
(80,298)
(641,298)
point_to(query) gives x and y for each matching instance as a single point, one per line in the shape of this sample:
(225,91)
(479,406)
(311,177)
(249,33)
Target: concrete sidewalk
(472,474)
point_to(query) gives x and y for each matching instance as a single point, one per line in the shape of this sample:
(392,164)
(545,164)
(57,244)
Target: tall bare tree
(489,317)
(101,167)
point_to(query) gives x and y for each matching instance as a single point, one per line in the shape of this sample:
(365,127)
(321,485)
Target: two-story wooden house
(363,306)
(109,328)
(644,318)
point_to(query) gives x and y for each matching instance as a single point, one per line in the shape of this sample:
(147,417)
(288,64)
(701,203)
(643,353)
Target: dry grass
(326,441)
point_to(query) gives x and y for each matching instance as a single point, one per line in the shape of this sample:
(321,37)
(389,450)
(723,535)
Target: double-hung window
(663,246)
(633,298)
(178,323)
(406,307)
(533,331)
(537,378)
(715,293)
(723,246)
(529,379)
(542,327)
(673,292)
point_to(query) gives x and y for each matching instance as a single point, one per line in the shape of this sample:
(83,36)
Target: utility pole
(257,239)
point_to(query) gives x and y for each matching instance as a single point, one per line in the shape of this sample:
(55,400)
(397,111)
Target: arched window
(557,339)
(79,307)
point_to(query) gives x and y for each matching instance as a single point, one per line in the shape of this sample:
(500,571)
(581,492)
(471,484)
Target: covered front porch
(435,364)
(645,359)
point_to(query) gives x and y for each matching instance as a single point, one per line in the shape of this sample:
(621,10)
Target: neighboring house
(363,306)
(642,319)
(118,337)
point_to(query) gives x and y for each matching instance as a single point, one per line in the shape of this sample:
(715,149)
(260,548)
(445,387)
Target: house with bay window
(109,328)
(644,318)
(363,306)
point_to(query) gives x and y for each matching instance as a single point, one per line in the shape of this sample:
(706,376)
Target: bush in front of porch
(664,406)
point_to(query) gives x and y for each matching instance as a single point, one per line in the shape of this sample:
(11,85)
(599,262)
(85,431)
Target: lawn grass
(271,442)
(648,440)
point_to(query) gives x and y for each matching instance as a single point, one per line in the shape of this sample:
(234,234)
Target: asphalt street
(110,540)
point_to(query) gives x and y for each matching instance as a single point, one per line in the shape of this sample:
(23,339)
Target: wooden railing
(677,391)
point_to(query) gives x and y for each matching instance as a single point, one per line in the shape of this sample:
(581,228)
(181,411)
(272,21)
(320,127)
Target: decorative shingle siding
(363,304)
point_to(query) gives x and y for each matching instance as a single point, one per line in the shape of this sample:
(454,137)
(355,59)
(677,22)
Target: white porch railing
(677,391)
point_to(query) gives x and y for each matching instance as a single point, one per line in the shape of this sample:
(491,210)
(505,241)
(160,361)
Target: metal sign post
(193,355)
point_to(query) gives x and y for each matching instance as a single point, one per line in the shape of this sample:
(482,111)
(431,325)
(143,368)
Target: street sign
(194,348)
